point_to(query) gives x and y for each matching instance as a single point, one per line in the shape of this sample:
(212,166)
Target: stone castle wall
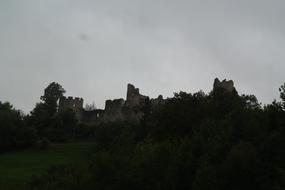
(70,103)
(131,109)
(126,110)
(228,85)
(114,110)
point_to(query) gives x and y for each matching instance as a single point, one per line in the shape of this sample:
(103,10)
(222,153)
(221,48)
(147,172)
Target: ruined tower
(114,110)
(126,110)
(134,98)
(70,103)
(226,85)
(75,104)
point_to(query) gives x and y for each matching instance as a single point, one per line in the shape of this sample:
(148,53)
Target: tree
(62,126)
(282,94)
(44,114)
(52,93)
(14,133)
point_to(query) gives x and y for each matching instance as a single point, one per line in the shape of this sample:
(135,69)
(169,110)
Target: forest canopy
(220,140)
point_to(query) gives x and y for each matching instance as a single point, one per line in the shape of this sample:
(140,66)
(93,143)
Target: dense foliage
(45,118)
(199,141)
(14,133)
(195,141)
(43,125)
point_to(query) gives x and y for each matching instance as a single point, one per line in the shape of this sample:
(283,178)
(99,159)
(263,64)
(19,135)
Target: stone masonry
(130,110)
(227,85)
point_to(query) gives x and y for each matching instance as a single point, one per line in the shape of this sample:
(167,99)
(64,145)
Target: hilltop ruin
(227,85)
(131,109)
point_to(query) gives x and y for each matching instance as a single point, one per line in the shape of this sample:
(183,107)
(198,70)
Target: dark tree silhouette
(52,93)
(282,94)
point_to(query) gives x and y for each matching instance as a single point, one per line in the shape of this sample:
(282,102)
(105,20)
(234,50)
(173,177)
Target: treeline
(43,125)
(199,141)
(14,131)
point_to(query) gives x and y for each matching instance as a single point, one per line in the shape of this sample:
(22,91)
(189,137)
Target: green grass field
(17,168)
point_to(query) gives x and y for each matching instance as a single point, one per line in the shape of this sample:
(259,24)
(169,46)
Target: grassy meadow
(17,168)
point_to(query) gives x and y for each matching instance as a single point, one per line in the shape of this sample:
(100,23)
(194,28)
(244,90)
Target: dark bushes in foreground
(195,141)
(14,133)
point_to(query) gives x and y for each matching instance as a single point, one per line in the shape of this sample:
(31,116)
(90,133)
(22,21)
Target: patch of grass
(17,168)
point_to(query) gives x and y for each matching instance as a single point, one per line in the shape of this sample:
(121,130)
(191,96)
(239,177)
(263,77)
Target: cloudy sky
(93,48)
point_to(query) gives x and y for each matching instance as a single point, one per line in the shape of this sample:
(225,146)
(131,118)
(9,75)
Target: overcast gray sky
(93,48)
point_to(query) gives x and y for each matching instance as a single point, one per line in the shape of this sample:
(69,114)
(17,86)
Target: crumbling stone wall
(114,110)
(70,103)
(132,109)
(134,98)
(227,85)
(75,104)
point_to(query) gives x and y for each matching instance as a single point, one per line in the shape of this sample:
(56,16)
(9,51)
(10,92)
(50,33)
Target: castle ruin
(70,103)
(227,85)
(130,110)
